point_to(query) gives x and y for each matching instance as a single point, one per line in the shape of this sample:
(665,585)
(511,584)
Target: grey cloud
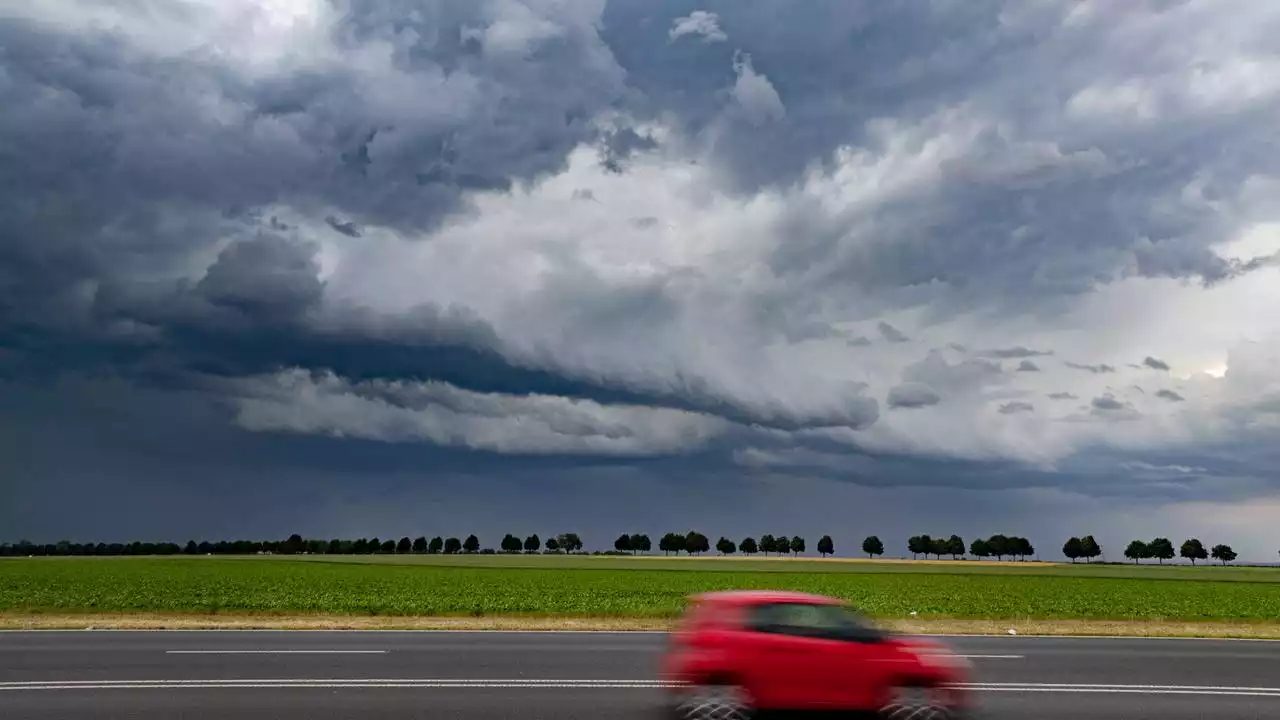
(1095,369)
(966,375)
(584,194)
(346,228)
(1169,395)
(1028,366)
(912,395)
(859,341)
(999,223)
(698,22)
(1155,363)
(756,96)
(644,223)
(1015,407)
(1107,402)
(445,415)
(1062,396)
(891,333)
(1013,353)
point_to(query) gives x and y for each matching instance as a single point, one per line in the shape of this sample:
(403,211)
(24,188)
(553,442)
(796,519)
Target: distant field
(609,587)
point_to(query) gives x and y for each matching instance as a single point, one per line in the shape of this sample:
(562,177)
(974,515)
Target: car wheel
(713,702)
(915,703)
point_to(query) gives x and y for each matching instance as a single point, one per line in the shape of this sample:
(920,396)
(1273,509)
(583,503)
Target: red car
(735,653)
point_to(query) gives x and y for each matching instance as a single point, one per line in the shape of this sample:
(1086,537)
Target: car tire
(914,703)
(719,701)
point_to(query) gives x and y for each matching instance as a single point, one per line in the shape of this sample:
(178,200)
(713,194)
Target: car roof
(757,597)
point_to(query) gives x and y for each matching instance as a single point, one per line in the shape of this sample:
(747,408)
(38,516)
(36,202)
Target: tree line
(1162,549)
(691,543)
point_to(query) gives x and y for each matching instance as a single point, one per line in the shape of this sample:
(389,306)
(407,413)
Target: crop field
(624,588)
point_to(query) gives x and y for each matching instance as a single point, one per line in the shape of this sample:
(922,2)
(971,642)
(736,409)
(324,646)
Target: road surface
(558,676)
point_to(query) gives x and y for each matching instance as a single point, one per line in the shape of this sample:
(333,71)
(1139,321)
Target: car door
(789,665)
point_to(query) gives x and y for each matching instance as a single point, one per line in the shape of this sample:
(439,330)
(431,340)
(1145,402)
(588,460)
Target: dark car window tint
(831,622)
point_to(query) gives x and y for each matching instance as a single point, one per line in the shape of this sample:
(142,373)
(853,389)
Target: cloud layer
(849,242)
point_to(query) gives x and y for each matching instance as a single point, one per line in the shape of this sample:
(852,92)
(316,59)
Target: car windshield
(813,620)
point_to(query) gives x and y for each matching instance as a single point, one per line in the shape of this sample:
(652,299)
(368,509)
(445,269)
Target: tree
(872,546)
(825,546)
(1193,550)
(748,546)
(452,546)
(510,544)
(955,546)
(1073,548)
(1160,549)
(671,543)
(388,547)
(767,543)
(419,545)
(623,543)
(435,546)
(1223,553)
(292,546)
(569,542)
(1024,547)
(938,546)
(190,548)
(696,542)
(782,544)
(999,545)
(404,546)
(1136,551)
(920,545)
(979,548)
(641,542)
(375,545)
(532,543)
(797,545)
(553,544)
(636,541)
(471,544)
(1089,548)
(725,546)
(337,547)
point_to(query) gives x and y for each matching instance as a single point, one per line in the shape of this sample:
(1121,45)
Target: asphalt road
(251,675)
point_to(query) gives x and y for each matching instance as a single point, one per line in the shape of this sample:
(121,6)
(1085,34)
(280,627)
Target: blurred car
(735,653)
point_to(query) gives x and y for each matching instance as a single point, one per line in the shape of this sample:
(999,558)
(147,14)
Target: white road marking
(554,683)
(276,652)
(992,657)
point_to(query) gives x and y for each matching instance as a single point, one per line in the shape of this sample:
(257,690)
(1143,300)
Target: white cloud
(699,22)
(756,96)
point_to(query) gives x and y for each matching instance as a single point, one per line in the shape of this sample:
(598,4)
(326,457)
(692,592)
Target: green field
(609,587)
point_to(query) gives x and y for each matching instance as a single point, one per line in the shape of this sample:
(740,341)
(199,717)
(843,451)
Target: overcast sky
(389,267)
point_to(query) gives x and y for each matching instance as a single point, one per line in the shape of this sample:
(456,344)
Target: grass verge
(183,621)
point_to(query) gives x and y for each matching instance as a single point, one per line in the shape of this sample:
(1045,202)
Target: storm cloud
(616,241)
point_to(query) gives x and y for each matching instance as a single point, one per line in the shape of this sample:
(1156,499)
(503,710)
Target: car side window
(827,622)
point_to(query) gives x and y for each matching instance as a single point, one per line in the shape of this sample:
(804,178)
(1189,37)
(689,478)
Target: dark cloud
(1108,402)
(912,395)
(1015,407)
(1062,396)
(345,245)
(1095,369)
(1169,395)
(1013,353)
(346,228)
(891,333)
